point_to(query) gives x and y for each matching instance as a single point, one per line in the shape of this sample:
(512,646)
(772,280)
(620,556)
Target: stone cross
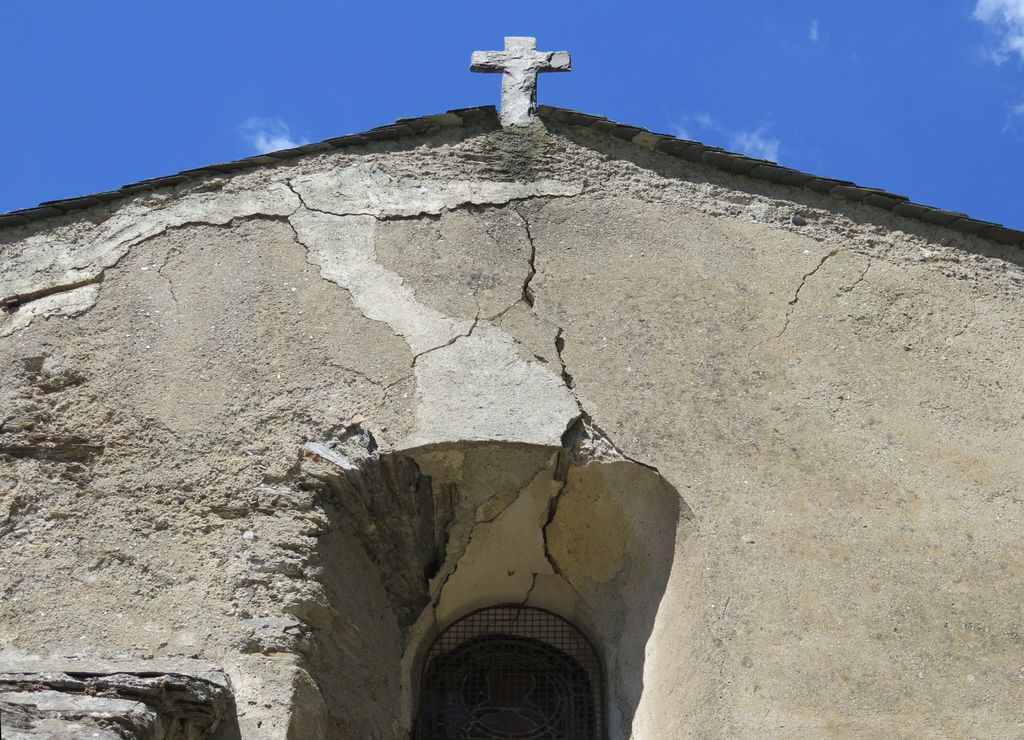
(519,64)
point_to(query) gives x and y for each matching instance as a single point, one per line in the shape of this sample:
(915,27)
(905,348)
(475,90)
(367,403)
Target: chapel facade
(519,423)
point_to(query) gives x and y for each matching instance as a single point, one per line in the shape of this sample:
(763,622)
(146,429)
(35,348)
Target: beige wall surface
(291,423)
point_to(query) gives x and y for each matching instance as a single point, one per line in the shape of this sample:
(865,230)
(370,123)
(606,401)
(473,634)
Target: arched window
(511,672)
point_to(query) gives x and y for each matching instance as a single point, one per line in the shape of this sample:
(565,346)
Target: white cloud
(1007,18)
(700,121)
(702,127)
(757,143)
(813,33)
(268,135)
(1015,121)
(682,132)
(704,120)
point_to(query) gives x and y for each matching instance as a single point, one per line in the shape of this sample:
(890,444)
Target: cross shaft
(519,63)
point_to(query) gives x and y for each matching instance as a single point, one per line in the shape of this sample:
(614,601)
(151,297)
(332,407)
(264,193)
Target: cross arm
(557,61)
(487,61)
(499,61)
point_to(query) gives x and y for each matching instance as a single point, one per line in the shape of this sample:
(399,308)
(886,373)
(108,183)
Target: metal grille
(511,672)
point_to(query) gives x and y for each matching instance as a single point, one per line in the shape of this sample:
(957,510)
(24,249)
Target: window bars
(511,672)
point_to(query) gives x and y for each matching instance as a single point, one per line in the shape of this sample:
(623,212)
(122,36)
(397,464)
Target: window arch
(511,672)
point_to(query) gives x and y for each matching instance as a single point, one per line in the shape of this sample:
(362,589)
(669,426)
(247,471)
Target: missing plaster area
(419,539)
(110,706)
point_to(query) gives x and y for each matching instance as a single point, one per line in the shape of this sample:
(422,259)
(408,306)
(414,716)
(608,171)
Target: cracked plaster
(852,477)
(335,217)
(69,302)
(473,386)
(48,260)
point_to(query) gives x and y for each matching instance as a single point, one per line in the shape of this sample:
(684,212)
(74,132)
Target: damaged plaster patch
(480,388)
(36,704)
(472,382)
(364,189)
(517,532)
(342,247)
(55,265)
(70,303)
(573,529)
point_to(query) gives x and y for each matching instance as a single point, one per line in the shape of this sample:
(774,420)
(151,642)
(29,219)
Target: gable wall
(835,403)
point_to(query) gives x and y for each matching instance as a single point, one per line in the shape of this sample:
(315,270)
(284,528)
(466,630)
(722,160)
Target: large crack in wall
(575,529)
(660,349)
(472,382)
(445,527)
(59,272)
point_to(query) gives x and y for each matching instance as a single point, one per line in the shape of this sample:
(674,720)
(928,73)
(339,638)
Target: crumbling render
(60,301)
(155,705)
(469,373)
(463,525)
(59,271)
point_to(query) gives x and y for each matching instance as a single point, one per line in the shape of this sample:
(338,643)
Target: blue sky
(920,97)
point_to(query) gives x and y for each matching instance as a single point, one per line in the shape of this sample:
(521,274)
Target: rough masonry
(282,425)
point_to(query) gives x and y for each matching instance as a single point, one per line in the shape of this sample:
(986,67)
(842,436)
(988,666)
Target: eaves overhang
(486,117)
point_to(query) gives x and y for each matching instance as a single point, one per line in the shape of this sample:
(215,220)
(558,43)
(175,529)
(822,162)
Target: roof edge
(773,172)
(672,146)
(402,128)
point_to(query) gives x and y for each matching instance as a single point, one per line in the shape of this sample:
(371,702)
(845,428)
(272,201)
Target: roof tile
(770,172)
(38,212)
(647,140)
(941,217)
(208,171)
(884,200)
(691,151)
(824,184)
(796,178)
(487,115)
(383,133)
(348,140)
(160,182)
(970,225)
(71,204)
(627,133)
(910,210)
(849,192)
(1002,235)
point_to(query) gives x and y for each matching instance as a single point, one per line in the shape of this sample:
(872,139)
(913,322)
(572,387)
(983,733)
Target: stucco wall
(216,396)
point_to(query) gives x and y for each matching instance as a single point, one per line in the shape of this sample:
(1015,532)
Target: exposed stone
(119,705)
(453,528)
(295,420)
(50,266)
(50,714)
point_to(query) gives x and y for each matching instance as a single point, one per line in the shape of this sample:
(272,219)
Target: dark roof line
(763,169)
(691,151)
(403,127)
